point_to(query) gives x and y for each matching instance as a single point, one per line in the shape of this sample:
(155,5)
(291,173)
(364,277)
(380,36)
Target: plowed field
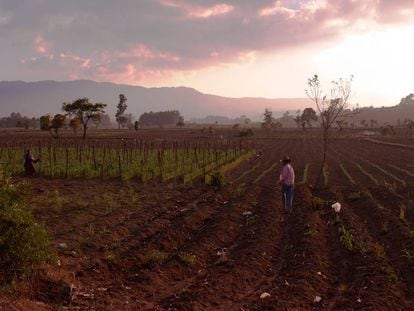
(127,246)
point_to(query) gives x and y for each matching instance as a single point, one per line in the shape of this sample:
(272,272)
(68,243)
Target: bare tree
(329,108)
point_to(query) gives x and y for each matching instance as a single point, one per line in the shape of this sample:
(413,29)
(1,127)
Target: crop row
(141,162)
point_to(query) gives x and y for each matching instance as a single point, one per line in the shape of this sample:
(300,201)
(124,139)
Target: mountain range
(38,98)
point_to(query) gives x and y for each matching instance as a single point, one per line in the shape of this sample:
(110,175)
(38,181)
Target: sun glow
(381,61)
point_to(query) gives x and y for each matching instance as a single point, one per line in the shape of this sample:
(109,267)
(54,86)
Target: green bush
(23,242)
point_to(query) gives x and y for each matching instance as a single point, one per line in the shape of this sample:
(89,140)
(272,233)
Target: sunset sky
(234,48)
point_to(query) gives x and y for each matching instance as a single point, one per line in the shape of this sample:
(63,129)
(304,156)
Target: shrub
(217,179)
(23,242)
(246,133)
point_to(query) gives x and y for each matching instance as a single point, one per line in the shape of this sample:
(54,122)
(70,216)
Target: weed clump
(156,257)
(23,242)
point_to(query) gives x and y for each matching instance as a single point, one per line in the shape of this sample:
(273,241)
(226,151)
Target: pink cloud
(143,52)
(74,60)
(196,11)
(41,46)
(277,9)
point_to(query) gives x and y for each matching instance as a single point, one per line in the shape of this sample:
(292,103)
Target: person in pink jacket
(287,182)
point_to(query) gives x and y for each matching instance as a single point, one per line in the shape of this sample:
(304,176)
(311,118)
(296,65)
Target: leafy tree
(409,124)
(53,125)
(136,125)
(105,121)
(308,115)
(298,119)
(162,118)
(364,123)
(180,122)
(267,119)
(121,108)
(17,120)
(330,109)
(84,111)
(74,125)
(373,123)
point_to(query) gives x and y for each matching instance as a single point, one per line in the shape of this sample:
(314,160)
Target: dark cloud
(107,39)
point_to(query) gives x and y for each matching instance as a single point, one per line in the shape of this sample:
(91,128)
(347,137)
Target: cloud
(197,11)
(140,41)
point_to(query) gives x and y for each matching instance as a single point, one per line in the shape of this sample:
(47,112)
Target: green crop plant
(251,220)
(348,176)
(402,182)
(265,172)
(188,259)
(401,170)
(402,214)
(373,179)
(238,191)
(319,203)
(248,171)
(379,251)
(145,161)
(305,175)
(216,179)
(310,231)
(346,238)
(369,194)
(156,257)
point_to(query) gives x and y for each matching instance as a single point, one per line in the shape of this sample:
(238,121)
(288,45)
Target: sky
(234,48)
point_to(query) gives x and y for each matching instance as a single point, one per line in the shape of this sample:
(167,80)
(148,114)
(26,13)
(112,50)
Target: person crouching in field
(29,169)
(287,182)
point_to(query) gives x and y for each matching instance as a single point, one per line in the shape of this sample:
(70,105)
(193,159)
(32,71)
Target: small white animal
(337,207)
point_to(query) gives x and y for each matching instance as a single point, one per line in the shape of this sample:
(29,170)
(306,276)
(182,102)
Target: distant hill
(38,98)
(383,115)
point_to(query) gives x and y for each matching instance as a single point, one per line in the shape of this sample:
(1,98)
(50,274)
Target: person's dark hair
(286,159)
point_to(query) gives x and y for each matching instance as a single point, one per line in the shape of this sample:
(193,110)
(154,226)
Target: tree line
(81,113)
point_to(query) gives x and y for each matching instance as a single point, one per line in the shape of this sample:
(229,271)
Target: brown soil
(129,246)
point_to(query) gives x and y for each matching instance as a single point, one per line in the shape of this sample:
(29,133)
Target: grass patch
(23,242)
